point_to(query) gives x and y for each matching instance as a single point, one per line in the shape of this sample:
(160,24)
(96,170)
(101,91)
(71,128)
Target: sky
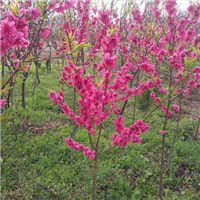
(183,3)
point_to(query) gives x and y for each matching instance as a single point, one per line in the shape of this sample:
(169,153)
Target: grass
(37,165)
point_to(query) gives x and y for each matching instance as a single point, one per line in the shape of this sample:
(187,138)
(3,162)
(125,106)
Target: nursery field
(100,100)
(36,162)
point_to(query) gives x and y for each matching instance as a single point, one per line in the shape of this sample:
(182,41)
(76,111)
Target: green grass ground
(37,165)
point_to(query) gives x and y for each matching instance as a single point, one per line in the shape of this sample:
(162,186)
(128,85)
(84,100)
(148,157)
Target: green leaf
(2,118)
(80,46)
(5,90)
(7,114)
(13,7)
(39,3)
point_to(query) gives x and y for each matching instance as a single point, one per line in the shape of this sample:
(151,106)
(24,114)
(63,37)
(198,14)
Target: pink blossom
(17,63)
(155,74)
(123,98)
(2,102)
(186,92)
(119,126)
(197,76)
(173,58)
(191,83)
(197,85)
(104,16)
(79,120)
(176,66)
(146,158)
(196,69)
(80,147)
(182,33)
(169,113)
(191,9)
(117,110)
(7,30)
(27,67)
(163,91)
(158,81)
(92,131)
(71,114)
(61,93)
(178,90)
(34,12)
(162,132)
(136,15)
(147,67)
(163,108)
(130,134)
(175,107)
(69,4)
(65,109)
(157,100)
(169,7)
(110,41)
(157,14)
(45,31)
(153,95)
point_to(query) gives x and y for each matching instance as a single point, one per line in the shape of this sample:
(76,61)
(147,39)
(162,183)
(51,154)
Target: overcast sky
(183,3)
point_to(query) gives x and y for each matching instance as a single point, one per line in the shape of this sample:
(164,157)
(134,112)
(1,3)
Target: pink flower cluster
(57,98)
(59,7)
(147,67)
(162,132)
(14,32)
(122,78)
(34,13)
(131,134)
(45,32)
(20,68)
(158,103)
(104,16)
(137,15)
(83,14)
(99,97)
(169,7)
(196,72)
(175,107)
(2,102)
(80,147)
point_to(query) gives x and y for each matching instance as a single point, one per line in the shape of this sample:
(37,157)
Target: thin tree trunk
(135,100)
(175,135)
(163,142)
(196,135)
(37,74)
(23,95)
(74,123)
(2,72)
(9,93)
(123,108)
(23,89)
(94,177)
(13,118)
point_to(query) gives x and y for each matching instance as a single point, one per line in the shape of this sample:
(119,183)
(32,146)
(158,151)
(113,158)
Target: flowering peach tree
(166,39)
(25,29)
